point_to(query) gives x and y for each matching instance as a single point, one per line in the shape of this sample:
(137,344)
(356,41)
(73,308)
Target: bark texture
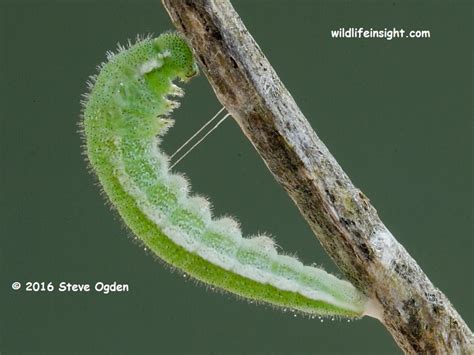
(418,315)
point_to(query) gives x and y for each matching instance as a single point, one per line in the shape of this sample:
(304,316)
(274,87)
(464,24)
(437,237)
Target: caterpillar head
(177,55)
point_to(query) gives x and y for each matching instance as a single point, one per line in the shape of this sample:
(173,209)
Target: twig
(419,316)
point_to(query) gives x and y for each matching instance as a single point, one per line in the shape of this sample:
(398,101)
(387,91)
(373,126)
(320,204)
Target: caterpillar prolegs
(125,115)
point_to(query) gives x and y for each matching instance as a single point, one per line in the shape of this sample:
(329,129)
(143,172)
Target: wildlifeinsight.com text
(388,34)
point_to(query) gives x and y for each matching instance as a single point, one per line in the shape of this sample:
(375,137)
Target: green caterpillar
(126,111)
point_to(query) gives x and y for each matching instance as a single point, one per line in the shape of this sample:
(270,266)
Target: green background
(396,114)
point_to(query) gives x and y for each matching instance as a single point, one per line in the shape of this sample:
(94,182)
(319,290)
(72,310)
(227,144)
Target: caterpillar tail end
(373,309)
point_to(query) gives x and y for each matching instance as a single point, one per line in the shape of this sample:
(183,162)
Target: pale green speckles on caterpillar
(125,112)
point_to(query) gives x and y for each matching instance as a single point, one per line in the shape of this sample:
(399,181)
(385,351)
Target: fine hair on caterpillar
(126,114)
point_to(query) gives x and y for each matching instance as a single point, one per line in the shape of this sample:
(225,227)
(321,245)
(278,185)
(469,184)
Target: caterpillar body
(124,117)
